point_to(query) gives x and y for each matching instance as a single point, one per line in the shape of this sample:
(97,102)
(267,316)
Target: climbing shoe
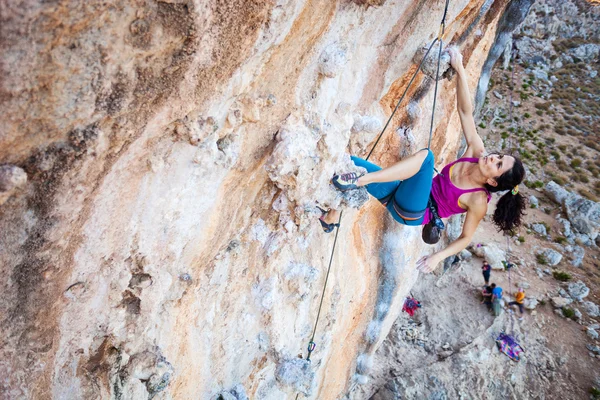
(346,181)
(327,228)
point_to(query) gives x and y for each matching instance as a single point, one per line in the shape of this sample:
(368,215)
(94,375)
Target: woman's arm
(475,145)
(475,214)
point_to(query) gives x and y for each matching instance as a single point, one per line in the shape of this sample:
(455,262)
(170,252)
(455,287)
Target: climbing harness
(311,344)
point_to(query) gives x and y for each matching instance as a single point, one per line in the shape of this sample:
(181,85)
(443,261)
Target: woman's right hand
(456,59)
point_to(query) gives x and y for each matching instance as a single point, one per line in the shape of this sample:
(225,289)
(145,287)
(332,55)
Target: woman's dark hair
(511,207)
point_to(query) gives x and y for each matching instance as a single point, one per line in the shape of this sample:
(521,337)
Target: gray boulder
(586,52)
(523,284)
(556,192)
(583,239)
(591,309)
(560,302)
(540,74)
(534,201)
(552,256)
(593,334)
(566,226)
(530,303)
(539,229)
(577,256)
(492,253)
(584,215)
(465,255)
(578,290)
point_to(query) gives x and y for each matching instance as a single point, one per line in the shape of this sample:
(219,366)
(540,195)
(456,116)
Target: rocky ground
(447,350)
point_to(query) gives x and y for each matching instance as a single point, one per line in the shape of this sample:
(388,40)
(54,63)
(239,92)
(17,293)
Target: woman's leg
(378,190)
(400,171)
(413,193)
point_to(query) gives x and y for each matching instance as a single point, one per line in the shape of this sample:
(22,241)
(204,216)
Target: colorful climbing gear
(508,345)
(410,306)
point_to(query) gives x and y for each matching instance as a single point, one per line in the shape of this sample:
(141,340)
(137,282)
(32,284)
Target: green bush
(561,276)
(560,239)
(538,184)
(555,154)
(541,259)
(523,95)
(576,162)
(522,238)
(595,392)
(568,312)
(539,112)
(526,115)
(482,125)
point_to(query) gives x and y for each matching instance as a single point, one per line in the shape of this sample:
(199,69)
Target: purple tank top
(446,195)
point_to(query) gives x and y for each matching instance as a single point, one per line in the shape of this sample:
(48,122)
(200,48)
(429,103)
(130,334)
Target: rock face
(160,238)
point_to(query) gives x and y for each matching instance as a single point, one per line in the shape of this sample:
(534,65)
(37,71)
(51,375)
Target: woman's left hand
(428,263)
(456,59)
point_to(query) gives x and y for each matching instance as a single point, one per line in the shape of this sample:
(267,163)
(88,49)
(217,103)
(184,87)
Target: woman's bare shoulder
(477,201)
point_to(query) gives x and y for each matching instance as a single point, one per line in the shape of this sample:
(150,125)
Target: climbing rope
(311,344)
(510,102)
(508,264)
(437,74)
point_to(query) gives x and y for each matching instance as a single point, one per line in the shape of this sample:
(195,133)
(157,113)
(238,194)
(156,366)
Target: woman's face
(494,165)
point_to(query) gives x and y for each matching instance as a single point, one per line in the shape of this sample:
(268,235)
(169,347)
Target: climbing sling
(311,344)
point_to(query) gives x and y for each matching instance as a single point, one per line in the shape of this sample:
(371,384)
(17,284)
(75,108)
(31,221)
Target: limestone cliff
(164,159)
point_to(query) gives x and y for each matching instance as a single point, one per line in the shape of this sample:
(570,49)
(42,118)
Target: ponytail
(509,211)
(511,206)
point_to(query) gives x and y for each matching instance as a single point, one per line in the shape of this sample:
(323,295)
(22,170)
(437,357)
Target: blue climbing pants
(412,194)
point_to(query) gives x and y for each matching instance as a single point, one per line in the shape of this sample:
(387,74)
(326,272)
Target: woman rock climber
(464,185)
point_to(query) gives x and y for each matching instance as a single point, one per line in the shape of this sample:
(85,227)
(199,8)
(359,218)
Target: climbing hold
(11,178)
(238,392)
(429,66)
(297,373)
(364,363)
(271,100)
(414,111)
(373,330)
(333,59)
(139,27)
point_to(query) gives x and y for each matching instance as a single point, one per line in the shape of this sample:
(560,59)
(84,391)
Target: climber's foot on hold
(327,227)
(346,181)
